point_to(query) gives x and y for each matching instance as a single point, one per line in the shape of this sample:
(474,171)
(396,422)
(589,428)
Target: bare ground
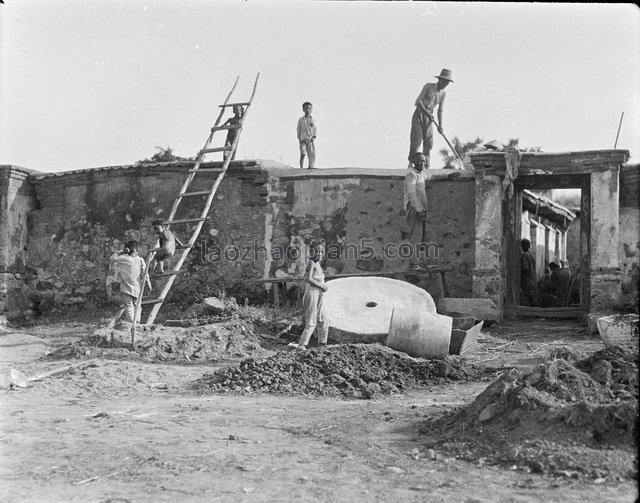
(123,426)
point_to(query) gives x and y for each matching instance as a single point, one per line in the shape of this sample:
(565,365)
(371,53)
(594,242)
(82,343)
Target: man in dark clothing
(560,281)
(528,286)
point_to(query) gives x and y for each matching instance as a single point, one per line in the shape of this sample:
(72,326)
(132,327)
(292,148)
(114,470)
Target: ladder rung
(164,274)
(205,170)
(228,126)
(151,301)
(215,149)
(244,104)
(200,193)
(185,221)
(179,247)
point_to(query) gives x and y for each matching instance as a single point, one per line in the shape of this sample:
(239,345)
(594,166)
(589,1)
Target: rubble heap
(350,370)
(572,417)
(233,339)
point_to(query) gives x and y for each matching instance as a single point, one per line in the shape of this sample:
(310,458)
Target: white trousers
(314,315)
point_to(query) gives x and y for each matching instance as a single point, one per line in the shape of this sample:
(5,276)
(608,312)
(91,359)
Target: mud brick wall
(629,250)
(358,215)
(17,199)
(85,216)
(262,218)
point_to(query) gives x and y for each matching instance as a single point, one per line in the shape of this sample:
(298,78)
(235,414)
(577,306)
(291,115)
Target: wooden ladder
(184,250)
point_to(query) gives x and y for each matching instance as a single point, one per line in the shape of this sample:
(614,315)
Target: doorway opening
(548,256)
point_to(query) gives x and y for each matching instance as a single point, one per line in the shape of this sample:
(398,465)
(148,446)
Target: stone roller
(420,334)
(360,309)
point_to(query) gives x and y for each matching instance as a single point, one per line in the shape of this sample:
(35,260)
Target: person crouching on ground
(167,244)
(130,273)
(315,287)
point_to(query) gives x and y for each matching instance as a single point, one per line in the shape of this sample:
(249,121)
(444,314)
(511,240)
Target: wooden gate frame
(498,214)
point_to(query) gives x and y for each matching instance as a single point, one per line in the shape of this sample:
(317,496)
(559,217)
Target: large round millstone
(359,309)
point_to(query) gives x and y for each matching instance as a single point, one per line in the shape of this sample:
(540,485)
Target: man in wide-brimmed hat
(431,96)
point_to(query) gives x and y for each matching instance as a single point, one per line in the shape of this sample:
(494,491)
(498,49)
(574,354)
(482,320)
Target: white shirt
(306,128)
(431,97)
(415,192)
(129,273)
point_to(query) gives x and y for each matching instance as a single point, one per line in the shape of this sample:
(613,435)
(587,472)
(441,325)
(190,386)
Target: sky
(87,83)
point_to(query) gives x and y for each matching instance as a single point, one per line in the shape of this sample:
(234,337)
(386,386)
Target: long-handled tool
(618,134)
(433,119)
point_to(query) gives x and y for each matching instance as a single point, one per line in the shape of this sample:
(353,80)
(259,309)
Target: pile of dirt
(233,339)
(350,370)
(569,417)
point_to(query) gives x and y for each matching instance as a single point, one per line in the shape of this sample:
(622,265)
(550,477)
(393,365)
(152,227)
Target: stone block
(463,322)
(478,309)
(217,306)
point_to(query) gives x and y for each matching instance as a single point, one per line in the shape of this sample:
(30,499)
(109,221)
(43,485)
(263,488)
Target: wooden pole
(455,152)
(618,134)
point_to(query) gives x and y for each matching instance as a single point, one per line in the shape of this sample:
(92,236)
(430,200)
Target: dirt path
(133,431)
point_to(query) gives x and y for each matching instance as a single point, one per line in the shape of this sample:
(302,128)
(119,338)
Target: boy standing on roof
(307,133)
(432,95)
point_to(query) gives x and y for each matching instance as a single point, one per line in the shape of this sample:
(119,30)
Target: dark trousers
(421,132)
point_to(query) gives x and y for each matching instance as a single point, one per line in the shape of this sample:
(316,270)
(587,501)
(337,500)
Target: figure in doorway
(560,284)
(528,285)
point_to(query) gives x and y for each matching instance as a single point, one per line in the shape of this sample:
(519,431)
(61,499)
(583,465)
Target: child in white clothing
(315,287)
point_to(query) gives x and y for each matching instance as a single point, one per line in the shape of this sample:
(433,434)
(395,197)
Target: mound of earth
(569,417)
(351,370)
(235,339)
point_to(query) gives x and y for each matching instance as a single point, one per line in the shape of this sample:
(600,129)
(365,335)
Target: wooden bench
(545,312)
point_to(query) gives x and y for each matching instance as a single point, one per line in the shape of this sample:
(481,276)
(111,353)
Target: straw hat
(445,75)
